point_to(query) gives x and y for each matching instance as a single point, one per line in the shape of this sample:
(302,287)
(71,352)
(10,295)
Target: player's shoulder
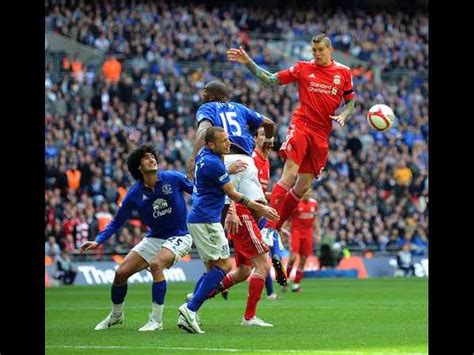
(341,66)
(134,189)
(313,201)
(171,174)
(237,105)
(211,104)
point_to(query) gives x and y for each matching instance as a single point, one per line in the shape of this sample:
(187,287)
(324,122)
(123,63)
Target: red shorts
(305,148)
(248,242)
(301,244)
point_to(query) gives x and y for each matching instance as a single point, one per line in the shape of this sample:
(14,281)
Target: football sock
(208,283)
(157,310)
(198,283)
(118,294)
(256,285)
(277,197)
(228,281)
(288,271)
(289,204)
(158,291)
(269,284)
(299,276)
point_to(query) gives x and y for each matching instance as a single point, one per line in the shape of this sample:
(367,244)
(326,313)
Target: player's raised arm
(240,55)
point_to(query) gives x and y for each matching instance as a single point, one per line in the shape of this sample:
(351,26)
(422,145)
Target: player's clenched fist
(238,55)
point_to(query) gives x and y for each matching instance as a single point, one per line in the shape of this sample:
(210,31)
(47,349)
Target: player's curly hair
(134,160)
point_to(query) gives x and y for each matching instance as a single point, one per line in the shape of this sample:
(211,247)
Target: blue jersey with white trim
(208,196)
(238,121)
(163,210)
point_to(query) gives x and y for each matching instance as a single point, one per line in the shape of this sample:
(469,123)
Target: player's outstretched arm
(267,211)
(88,246)
(239,55)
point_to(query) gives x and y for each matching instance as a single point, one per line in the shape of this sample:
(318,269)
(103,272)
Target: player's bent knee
(156,266)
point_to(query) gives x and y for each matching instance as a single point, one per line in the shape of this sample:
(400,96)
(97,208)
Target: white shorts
(246,182)
(210,240)
(149,247)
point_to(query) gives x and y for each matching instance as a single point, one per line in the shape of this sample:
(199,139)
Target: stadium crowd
(374,192)
(164,33)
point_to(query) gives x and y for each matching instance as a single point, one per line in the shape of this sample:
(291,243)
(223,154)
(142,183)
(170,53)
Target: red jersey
(263,167)
(303,216)
(321,90)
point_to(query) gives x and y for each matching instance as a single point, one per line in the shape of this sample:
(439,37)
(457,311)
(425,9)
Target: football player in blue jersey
(211,184)
(240,123)
(158,197)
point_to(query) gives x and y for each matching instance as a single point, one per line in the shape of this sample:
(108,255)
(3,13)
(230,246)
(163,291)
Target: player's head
(217,140)
(143,160)
(215,90)
(260,141)
(322,49)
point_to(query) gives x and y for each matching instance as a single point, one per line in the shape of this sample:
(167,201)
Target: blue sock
(275,249)
(208,283)
(198,283)
(158,292)
(261,223)
(269,284)
(118,293)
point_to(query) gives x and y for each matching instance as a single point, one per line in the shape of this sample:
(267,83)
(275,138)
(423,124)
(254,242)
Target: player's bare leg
(132,264)
(299,274)
(164,259)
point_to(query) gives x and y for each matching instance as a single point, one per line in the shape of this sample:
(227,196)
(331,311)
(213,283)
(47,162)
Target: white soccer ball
(380,117)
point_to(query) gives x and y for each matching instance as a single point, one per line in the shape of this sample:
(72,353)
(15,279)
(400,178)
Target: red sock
(276,199)
(299,276)
(256,285)
(289,204)
(228,281)
(288,271)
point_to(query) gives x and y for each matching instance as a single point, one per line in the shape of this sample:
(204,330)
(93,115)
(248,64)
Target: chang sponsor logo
(161,208)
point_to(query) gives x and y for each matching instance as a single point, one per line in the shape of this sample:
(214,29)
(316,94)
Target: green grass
(341,316)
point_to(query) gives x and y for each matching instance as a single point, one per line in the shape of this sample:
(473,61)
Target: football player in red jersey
(271,239)
(323,84)
(303,234)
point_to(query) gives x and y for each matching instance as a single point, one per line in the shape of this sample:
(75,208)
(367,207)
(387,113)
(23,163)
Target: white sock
(157,311)
(117,309)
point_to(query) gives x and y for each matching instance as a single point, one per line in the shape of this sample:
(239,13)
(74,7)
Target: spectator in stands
(112,69)
(65,270)
(51,248)
(405,260)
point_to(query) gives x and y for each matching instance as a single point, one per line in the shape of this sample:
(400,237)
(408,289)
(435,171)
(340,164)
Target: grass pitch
(330,316)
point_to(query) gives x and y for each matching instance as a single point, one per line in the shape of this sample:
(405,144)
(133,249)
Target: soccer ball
(380,117)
